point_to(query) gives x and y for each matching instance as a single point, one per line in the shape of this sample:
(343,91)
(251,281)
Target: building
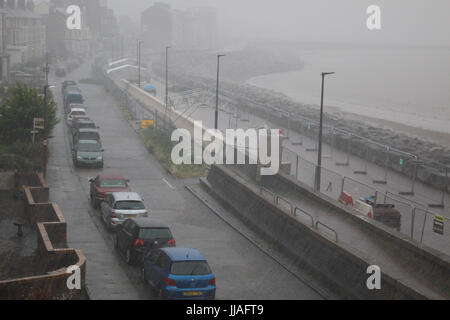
(156,26)
(23,35)
(194,29)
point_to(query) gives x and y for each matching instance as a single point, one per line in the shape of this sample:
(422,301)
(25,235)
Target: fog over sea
(406,85)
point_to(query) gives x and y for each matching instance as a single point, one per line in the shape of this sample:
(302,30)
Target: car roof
(87,130)
(77,109)
(183,254)
(150,223)
(88,141)
(105,176)
(120,196)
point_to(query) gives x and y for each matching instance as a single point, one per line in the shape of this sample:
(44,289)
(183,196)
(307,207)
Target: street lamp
(216,123)
(139,63)
(319,154)
(166,97)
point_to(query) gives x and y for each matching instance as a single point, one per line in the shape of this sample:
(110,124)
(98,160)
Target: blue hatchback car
(179,273)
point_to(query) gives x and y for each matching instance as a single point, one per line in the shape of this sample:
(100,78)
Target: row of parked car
(86,142)
(148,243)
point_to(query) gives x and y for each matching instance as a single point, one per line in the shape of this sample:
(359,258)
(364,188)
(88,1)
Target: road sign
(401,161)
(438,224)
(38,123)
(309,125)
(147,123)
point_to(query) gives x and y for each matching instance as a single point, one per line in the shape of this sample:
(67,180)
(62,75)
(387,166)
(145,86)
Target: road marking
(167,182)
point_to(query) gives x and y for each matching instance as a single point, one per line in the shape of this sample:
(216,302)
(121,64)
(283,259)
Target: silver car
(119,206)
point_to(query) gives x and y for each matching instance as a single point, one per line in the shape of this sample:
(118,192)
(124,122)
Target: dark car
(106,183)
(73,96)
(86,134)
(60,72)
(136,236)
(66,84)
(179,273)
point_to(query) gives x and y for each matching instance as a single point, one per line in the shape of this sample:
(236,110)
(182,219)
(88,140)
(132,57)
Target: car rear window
(192,268)
(116,183)
(129,205)
(78,113)
(155,233)
(89,136)
(86,125)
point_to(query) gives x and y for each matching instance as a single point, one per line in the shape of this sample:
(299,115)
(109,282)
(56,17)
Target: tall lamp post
(139,63)
(216,123)
(166,95)
(319,153)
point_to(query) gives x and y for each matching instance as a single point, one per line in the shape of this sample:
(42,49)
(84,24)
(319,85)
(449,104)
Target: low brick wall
(52,247)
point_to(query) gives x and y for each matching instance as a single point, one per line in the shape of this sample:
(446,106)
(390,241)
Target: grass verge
(159,143)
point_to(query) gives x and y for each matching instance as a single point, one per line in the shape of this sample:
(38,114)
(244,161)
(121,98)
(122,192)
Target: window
(154,255)
(129,205)
(155,233)
(190,268)
(110,183)
(161,261)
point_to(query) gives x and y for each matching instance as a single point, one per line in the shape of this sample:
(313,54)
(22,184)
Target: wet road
(242,271)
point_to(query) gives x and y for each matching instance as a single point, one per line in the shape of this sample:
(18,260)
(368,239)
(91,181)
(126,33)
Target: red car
(106,183)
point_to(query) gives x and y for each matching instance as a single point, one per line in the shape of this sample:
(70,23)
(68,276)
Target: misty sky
(403,21)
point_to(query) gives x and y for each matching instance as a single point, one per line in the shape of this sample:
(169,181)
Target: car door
(159,269)
(149,265)
(127,234)
(106,207)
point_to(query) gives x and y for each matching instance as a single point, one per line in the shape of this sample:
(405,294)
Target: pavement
(242,270)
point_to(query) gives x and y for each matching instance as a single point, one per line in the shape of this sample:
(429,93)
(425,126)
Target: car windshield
(78,113)
(129,205)
(155,233)
(113,183)
(89,147)
(89,136)
(195,268)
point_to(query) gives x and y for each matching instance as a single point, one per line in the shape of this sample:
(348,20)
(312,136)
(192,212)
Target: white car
(119,206)
(75,112)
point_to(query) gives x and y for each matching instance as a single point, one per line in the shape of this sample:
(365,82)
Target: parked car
(179,273)
(106,183)
(73,96)
(119,206)
(87,153)
(74,105)
(75,119)
(83,124)
(75,112)
(86,134)
(60,72)
(66,84)
(138,235)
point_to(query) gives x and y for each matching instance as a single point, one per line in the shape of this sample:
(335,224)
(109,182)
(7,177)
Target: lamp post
(166,95)
(139,63)
(216,123)
(319,153)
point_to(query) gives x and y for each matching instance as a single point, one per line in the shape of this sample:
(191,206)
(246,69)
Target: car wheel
(128,256)
(160,294)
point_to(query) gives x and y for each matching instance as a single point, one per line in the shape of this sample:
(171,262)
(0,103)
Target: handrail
(305,213)
(327,227)
(277,198)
